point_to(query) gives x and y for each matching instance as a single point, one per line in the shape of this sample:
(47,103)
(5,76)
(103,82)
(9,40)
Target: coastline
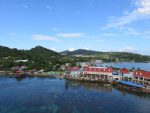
(114,84)
(105,84)
(10,74)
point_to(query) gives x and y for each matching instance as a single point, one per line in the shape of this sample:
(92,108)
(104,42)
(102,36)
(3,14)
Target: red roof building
(124,71)
(142,77)
(75,72)
(97,70)
(141,73)
(74,68)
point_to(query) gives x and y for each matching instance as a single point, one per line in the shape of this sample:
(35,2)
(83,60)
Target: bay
(47,95)
(129,65)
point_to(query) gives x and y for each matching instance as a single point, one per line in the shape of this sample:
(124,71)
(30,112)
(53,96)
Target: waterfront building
(97,73)
(142,77)
(75,72)
(123,71)
(114,77)
(126,74)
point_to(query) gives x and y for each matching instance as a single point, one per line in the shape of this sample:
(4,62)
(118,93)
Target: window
(141,78)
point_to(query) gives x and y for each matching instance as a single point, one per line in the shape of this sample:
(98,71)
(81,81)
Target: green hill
(40,57)
(80,52)
(107,56)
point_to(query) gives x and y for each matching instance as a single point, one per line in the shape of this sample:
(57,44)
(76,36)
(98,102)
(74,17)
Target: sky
(101,25)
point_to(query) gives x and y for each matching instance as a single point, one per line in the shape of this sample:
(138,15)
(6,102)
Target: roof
(19,71)
(142,73)
(124,71)
(22,60)
(98,69)
(74,68)
(130,83)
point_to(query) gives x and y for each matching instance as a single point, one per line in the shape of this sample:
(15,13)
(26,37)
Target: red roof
(98,69)
(141,73)
(74,68)
(124,70)
(18,71)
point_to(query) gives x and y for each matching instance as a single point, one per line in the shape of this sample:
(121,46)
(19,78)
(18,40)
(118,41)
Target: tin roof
(130,83)
(124,70)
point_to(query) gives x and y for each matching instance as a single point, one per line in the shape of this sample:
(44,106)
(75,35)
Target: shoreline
(105,83)
(10,74)
(116,85)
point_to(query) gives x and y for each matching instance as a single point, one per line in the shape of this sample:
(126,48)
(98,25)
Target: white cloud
(147,34)
(141,11)
(53,48)
(85,48)
(71,35)
(132,31)
(38,37)
(127,49)
(72,49)
(135,33)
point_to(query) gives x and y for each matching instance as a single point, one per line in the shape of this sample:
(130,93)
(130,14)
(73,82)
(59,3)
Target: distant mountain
(80,52)
(108,56)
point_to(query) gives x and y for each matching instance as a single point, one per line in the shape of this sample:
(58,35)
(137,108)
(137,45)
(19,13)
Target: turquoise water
(46,95)
(129,65)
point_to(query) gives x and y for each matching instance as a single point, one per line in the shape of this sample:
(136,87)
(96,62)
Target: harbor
(53,95)
(122,78)
(135,80)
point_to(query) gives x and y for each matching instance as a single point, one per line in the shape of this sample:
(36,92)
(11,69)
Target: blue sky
(103,25)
